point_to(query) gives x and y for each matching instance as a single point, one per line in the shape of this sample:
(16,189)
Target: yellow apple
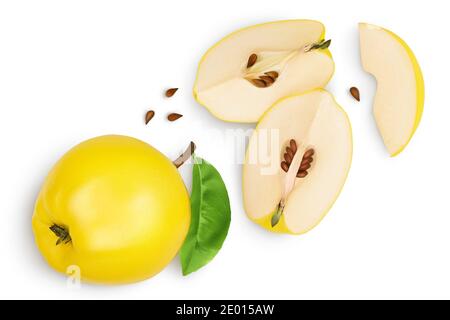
(115,208)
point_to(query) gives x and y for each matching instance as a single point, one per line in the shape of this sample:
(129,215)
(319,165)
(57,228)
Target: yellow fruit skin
(125,206)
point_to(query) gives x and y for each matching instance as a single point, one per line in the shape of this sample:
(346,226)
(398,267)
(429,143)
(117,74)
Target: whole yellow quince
(115,208)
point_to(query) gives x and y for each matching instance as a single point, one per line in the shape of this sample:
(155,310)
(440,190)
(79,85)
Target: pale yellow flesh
(221,84)
(399,98)
(315,120)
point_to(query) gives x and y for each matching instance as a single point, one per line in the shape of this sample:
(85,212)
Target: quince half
(246,72)
(297,162)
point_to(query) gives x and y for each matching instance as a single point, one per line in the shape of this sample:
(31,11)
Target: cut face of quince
(297,162)
(399,99)
(249,70)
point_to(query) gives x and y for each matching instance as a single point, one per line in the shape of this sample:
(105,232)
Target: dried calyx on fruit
(321,45)
(62,233)
(297,162)
(258,67)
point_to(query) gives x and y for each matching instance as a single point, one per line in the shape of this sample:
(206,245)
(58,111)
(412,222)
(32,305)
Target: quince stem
(185,156)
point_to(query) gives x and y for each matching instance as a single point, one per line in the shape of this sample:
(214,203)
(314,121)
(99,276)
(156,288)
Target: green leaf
(210,217)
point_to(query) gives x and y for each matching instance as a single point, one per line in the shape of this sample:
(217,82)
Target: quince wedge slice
(400,94)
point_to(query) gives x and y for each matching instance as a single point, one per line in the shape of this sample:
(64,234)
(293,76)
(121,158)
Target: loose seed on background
(149,115)
(174,116)
(355,93)
(170,92)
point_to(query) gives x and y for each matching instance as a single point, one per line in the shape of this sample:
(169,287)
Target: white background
(71,70)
